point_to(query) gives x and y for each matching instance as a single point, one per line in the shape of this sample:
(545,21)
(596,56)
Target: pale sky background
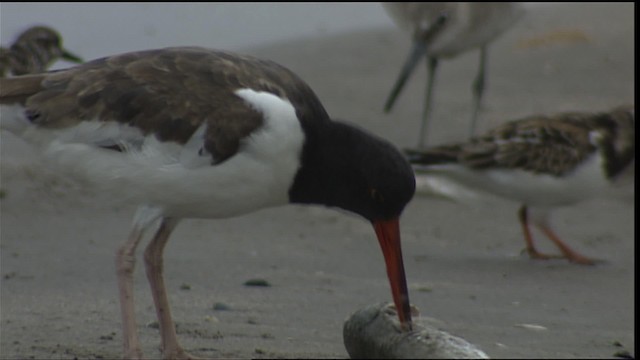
(99,29)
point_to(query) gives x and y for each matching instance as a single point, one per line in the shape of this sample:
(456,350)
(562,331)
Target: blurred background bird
(34,51)
(542,162)
(446,30)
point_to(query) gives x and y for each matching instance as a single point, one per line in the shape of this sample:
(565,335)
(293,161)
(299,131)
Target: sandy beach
(464,263)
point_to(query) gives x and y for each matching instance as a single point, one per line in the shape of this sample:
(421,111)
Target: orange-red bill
(388,232)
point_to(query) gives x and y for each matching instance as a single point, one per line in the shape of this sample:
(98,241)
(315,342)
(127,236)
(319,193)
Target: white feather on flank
(176,178)
(537,190)
(98,133)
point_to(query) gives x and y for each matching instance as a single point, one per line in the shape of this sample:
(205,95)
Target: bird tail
(14,92)
(436,174)
(17,89)
(435,184)
(445,154)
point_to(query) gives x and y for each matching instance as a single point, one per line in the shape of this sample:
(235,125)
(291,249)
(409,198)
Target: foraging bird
(33,52)
(189,132)
(543,162)
(445,30)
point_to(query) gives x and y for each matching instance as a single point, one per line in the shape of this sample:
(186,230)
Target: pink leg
(125,263)
(531,249)
(570,254)
(171,349)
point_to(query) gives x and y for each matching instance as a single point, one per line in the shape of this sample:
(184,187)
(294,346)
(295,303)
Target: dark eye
(376,195)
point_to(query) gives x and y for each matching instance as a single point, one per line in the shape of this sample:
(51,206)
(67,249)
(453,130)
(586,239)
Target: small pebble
(185,287)
(153,325)
(221,307)
(211,319)
(106,337)
(257,282)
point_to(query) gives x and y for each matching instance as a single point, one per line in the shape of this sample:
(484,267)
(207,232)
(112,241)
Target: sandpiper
(189,132)
(35,50)
(445,30)
(542,162)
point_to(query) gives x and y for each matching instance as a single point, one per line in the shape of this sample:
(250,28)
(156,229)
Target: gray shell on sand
(374,332)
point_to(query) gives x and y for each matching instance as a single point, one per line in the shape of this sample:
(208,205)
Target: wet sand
(464,264)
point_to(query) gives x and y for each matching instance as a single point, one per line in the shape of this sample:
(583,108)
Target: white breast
(469,25)
(540,190)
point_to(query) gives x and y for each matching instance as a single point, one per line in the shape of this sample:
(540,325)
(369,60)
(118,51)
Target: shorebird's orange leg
(171,348)
(570,254)
(531,248)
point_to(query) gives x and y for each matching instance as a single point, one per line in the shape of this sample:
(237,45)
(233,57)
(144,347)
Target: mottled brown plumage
(540,144)
(33,52)
(145,90)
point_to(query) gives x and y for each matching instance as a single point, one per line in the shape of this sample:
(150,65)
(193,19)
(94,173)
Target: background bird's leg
(432,66)
(528,238)
(125,263)
(171,349)
(477,89)
(568,253)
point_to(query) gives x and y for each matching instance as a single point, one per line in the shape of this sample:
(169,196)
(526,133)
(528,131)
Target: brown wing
(551,145)
(538,144)
(168,92)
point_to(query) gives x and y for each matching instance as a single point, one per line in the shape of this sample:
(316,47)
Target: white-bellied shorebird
(443,30)
(33,51)
(542,162)
(189,132)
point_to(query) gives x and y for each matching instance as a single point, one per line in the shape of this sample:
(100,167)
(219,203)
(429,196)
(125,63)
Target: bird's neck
(322,177)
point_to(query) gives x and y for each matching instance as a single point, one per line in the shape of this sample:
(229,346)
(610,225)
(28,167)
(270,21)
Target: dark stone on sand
(257,282)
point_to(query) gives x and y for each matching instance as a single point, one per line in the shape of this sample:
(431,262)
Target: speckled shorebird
(543,162)
(33,52)
(443,30)
(189,132)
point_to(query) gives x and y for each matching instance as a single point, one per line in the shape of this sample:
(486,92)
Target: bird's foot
(179,354)
(536,255)
(572,257)
(133,354)
(583,260)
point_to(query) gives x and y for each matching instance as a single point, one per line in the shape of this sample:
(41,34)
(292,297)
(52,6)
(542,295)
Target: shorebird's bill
(388,232)
(71,57)
(418,51)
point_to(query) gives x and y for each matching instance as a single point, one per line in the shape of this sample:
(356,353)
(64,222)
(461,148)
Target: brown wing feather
(552,145)
(168,92)
(17,90)
(542,144)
